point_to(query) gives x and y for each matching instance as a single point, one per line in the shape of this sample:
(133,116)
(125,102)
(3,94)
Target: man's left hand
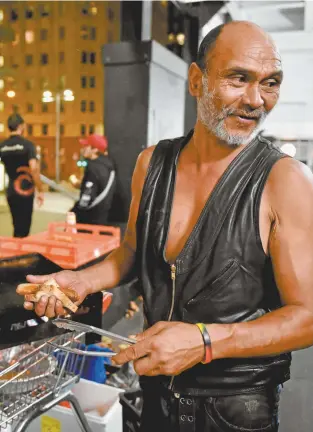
(167,348)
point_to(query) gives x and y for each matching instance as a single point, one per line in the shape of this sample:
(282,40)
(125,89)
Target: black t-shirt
(15,153)
(95,180)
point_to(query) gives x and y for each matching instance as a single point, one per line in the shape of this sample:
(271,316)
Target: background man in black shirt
(98,184)
(19,158)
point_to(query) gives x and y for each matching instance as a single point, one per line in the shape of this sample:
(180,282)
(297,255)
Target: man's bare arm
(118,265)
(35,172)
(290,189)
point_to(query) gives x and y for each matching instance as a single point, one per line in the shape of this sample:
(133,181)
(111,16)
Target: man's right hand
(50,307)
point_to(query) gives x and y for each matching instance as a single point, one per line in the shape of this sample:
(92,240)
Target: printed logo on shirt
(19,182)
(12,148)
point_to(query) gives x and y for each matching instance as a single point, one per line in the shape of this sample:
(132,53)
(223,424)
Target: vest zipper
(173,277)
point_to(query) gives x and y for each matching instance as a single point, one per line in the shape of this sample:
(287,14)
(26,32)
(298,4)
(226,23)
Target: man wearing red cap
(98,184)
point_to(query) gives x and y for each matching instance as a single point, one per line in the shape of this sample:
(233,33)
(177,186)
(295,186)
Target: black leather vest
(222,273)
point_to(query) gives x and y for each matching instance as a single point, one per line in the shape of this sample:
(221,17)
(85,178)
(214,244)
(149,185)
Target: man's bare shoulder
(144,158)
(290,184)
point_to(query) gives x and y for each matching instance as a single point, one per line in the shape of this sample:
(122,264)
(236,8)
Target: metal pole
(57,135)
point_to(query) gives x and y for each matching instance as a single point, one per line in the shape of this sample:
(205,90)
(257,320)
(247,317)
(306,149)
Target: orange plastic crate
(68,250)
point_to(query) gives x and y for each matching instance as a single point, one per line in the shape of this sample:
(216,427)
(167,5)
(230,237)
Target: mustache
(257,114)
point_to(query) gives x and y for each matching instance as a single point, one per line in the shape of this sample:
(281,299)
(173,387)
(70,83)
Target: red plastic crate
(68,250)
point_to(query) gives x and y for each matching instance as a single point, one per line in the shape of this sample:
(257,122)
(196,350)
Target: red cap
(96,141)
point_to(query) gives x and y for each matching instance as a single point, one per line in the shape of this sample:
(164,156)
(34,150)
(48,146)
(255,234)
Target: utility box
(145,91)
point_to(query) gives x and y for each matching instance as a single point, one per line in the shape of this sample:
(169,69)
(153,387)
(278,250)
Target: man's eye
(271,83)
(238,78)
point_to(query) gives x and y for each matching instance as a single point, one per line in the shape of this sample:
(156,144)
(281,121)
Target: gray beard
(214,121)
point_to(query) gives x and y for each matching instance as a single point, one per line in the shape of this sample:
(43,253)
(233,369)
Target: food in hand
(33,293)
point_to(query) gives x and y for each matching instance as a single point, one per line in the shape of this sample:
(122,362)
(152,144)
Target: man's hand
(167,348)
(51,307)
(40,199)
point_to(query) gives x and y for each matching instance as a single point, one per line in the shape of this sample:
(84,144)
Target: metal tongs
(79,327)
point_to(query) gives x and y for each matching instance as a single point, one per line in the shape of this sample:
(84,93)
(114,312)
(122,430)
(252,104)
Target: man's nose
(253,97)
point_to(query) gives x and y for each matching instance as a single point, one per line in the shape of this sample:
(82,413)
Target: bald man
(220,236)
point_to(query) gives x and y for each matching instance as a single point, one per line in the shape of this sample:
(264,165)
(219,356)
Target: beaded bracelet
(207,343)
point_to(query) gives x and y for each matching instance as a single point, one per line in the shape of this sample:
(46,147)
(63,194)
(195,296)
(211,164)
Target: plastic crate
(68,250)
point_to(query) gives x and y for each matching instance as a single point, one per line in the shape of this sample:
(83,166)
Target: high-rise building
(55,46)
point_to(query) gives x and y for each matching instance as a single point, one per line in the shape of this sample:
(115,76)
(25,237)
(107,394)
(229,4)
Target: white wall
(293,115)
(168,75)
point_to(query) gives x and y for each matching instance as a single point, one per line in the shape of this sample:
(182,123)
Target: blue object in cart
(94,367)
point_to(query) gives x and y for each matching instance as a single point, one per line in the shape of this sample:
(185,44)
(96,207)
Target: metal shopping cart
(45,375)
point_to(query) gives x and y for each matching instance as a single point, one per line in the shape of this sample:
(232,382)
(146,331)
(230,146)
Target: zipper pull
(173,272)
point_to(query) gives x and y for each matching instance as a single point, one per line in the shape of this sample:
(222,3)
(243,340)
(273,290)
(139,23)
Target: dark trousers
(252,412)
(21,210)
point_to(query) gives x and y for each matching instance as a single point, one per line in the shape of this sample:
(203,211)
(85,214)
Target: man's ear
(195,80)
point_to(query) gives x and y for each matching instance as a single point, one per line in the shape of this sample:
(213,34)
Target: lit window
(83,130)
(91,106)
(1,61)
(94,10)
(44,59)
(92,82)
(1,127)
(84,32)
(43,34)
(44,129)
(91,129)
(1,84)
(44,108)
(29,36)
(1,15)
(83,106)
(16,39)
(1,105)
(44,9)
(62,81)
(44,83)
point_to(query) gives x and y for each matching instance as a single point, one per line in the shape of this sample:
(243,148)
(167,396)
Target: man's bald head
(224,36)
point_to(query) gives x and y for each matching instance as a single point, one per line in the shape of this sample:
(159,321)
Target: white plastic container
(89,395)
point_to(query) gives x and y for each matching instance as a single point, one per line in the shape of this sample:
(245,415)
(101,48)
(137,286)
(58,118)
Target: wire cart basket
(42,378)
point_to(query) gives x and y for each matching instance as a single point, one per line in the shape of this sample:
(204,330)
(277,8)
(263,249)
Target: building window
(93,58)
(1,106)
(62,129)
(44,107)
(14,15)
(29,36)
(85,9)
(93,33)
(44,9)
(92,82)
(1,61)
(44,84)
(84,57)
(61,31)
(29,12)
(62,107)
(44,129)
(83,104)
(110,14)
(61,57)
(83,130)
(83,82)
(1,127)
(16,39)
(44,59)
(1,84)
(84,32)
(44,34)
(62,82)
(94,10)
(28,59)
(30,84)
(91,129)
(1,15)
(92,106)
(30,108)
(29,130)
